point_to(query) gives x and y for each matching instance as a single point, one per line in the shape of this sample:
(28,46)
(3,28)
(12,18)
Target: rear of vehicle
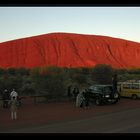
(102,94)
(130,89)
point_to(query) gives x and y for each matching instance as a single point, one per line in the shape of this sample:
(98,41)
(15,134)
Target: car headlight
(107,96)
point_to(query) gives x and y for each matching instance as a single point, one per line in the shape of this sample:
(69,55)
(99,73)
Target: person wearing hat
(14,93)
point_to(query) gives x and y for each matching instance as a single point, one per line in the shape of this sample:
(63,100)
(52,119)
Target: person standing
(14,94)
(80,99)
(86,96)
(5,97)
(69,91)
(75,92)
(114,83)
(13,108)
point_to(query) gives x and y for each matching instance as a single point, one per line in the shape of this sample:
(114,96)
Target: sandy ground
(30,114)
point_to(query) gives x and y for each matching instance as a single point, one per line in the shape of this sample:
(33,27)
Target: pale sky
(118,22)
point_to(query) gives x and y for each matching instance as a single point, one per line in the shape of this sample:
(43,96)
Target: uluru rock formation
(69,50)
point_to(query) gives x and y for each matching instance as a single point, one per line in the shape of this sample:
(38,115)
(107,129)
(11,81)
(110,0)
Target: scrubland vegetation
(53,81)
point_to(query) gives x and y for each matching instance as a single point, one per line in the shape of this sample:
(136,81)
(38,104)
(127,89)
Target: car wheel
(98,102)
(134,96)
(115,101)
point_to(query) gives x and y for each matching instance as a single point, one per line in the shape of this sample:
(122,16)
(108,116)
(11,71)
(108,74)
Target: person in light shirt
(14,94)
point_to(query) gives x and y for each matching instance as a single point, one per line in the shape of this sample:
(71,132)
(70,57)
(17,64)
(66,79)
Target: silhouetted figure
(86,96)
(6,98)
(69,91)
(19,103)
(114,83)
(75,92)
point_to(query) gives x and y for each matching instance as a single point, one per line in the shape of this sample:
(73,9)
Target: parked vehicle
(103,94)
(129,89)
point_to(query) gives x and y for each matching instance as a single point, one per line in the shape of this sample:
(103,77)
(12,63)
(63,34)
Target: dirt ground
(30,114)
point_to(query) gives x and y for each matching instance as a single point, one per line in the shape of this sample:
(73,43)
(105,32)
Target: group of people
(10,99)
(73,92)
(82,99)
(80,96)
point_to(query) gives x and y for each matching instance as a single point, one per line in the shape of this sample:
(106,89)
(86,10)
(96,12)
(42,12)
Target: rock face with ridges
(69,50)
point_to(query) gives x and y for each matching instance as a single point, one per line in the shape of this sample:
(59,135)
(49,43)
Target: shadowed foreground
(61,117)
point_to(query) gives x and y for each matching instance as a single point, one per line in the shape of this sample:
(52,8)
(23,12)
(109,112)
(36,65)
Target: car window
(130,86)
(126,86)
(135,86)
(97,89)
(108,89)
(91,87)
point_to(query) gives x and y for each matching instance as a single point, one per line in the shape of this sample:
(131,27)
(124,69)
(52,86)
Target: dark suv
(102,94)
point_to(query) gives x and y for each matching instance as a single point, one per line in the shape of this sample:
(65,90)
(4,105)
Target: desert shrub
(2,85)
(127,76)
(34,72)
(28,88)
(50,70)
(120,71)
(22,71)
(11,71)
(13,82)
(2,72)
(102,74)
(134,71)
(51,85)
